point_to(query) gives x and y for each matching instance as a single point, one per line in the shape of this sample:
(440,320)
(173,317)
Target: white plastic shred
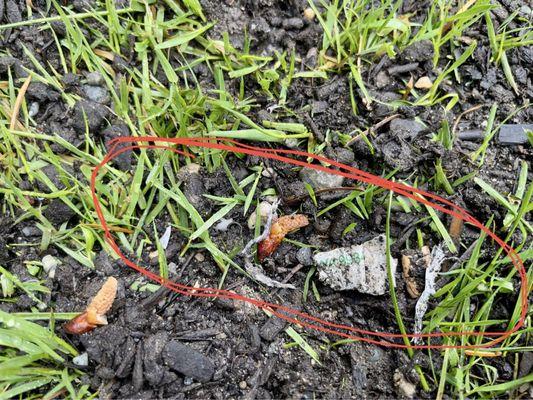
(437,257)
(166,237)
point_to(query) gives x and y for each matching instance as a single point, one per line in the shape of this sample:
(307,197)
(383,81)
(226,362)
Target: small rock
(152,351)
(84,5)
(423,83)
(34,109)
(199,257)
(405,128)
(94,112)
(344,155)
(50,264)
(224,224)
(187,361)
(95,78)
(362,267)
(319,107)
(96,93)
(264,211)
(31,231)
(70,81)
(291,143)
(382,79)
(81,360)
(271,328)
(309,14)
(13,13)
(122,161)
(58,212)
(194,188)
(305,256)
(405,388)
(526,364)
(268,173)
(473,134)
(41,92)
(514,133)
(322,180)
(191,168)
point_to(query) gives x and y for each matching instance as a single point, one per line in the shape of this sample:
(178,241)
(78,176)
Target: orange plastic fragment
(280,228)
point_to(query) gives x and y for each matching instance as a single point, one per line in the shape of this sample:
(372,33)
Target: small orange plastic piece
(280,228)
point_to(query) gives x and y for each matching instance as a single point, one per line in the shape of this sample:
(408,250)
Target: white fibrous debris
(437,257)
(224,224)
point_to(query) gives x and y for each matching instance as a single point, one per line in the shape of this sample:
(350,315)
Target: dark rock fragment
(97,94)
(41,92)
(188,361)
(94,112)
(272,328)
(154,371)
(514,133)
(58,212)
(293,23)
(123,161)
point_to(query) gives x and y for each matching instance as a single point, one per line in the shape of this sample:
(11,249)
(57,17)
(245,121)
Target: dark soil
(162,345)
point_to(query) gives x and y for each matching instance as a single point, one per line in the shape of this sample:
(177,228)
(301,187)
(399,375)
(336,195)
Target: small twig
(372,128)
(458,119)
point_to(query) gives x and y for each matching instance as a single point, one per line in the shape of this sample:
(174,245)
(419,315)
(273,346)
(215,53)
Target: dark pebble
(188,361)
(41,92)
(122,161)
(94,112)
(514,133)
(58,212)
(154,371)
(305,256)
(272,328)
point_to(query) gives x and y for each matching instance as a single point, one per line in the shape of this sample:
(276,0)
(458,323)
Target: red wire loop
(117,147)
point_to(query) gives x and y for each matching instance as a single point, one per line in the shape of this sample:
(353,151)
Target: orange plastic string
(118,146)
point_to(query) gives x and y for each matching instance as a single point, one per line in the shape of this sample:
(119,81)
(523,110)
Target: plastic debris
(255,271)
(224,224)
(166,237)
(362,267)
(437,257)
(50,264)
(279,229)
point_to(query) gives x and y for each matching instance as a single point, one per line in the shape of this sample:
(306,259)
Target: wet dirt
(162,345)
